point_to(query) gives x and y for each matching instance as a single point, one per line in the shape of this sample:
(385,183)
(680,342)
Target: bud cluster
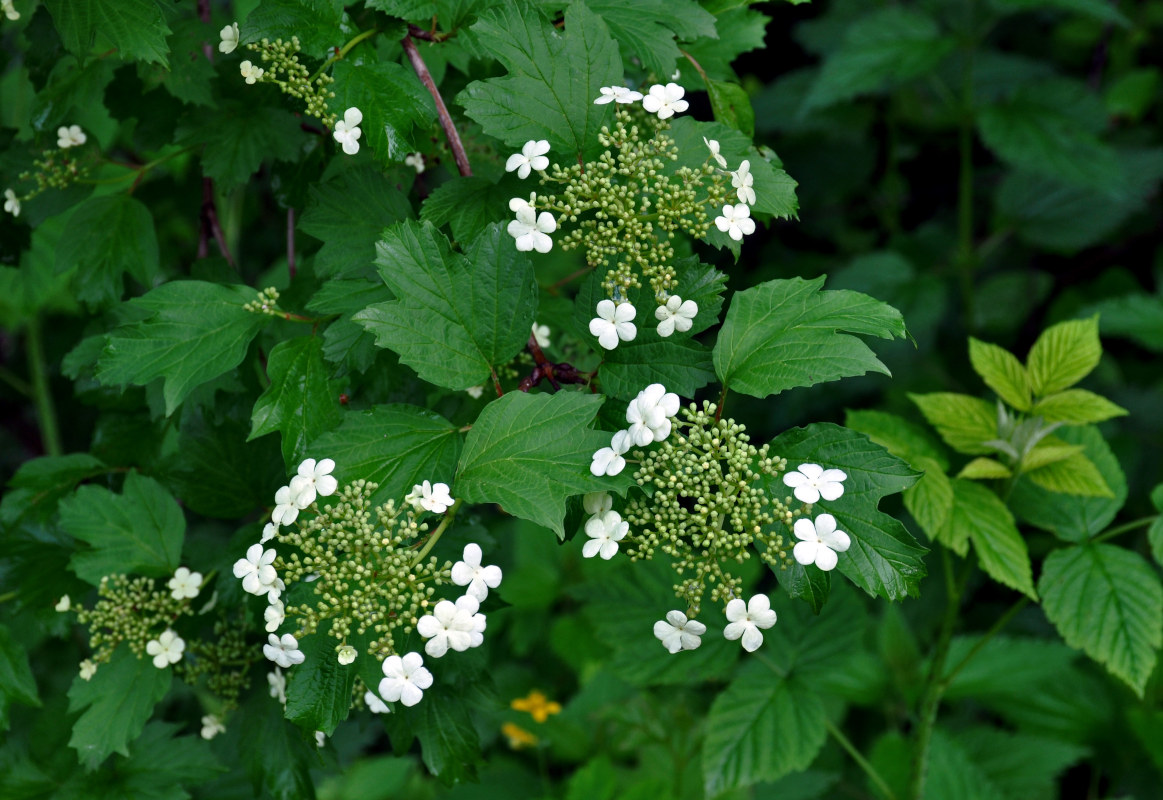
(281,66)
(267,302)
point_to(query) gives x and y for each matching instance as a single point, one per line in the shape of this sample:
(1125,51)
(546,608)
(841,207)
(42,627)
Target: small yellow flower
(537,704)
(518,737)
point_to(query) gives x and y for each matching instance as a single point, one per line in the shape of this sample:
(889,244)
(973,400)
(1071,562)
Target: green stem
(996,628)
(860,760)
(436,534)
(15,381)
(50,435)
(1130,526)
(343,51)
(721,403)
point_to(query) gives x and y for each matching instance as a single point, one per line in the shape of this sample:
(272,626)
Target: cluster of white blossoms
(530,229)
(735,221)
(615,320)
(649,415)
(428,497)
(250,72)
(605,527)
(744,623)
(820,541)
(663,100)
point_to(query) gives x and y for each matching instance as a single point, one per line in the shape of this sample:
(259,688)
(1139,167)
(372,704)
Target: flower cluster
(55,168)
(649,415)
(282,67)
(267,303)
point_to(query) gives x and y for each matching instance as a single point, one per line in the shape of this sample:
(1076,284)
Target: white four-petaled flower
(278,685)
(470,573)
(649,414)
(374,703)
(531,157)
(229,37)
(614,322)
(605,531)
(287,505)
(820,541)
(185,584)
(10,11)
(347,130)
(11,203)
(713,146)
(812,482)
(255,571)
(250,71)
(736,221)
(665,101)
(452,626)
(70,136)
(405,679)
(430,497)
(166,649)
(269,531)
(616,94)
(63,604)
(743,180)
(274,615)
(541,335)
(415,161)
(597,502)
(676,315)
(88,669)
(608,460)
(283,650)
(676,632)
(211,727)
(313,477)
(531,230)
(745,621)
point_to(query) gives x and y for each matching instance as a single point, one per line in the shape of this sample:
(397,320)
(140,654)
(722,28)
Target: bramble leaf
(136,28)
(1063,355)
(964,422)
(1002,372)
(981,518)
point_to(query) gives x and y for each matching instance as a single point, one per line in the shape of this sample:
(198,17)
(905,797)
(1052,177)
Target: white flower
(475,392)
(229,36)
(274,615)
(284,650)
(286,504)
(451,626)
(415,161)
(649,414)
(12,14)
(608,460)
(278,683)
(211,727)
(428,497)
(597,502)
(616,94)
(665,101)
(736,221)
(676,632)
(251,72)
(347,130)
(677,74)
(405,679)
(532,156)
(346,654)
(11,203)
(166,649)
(213,601)
(813,482)
(269,531)
(314,478)
(531,230)
(541,335)
(185,584)
(613,323)
(518,203)
(70,136)
(374,703)
(713,146)
(320,738)
(746,620)
(63,604)
(256,571)
(819,542)
(88,670)
(275,590)
(676,315)
(605,531)
(743,180)
(470,573)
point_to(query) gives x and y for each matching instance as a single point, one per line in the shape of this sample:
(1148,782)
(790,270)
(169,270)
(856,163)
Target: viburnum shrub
(466,398)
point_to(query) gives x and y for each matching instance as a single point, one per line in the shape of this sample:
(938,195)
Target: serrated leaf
(1076,407)
(952,775)
(1048,451)
(136,28)
(930,500)
(552,81)
(345,342)
(646,29)
(1005,666)
(1002,372)
(39,484)
(982,469)
(456,317)
(238,138)
(683,366)
(16,682)
(467,205)
(787,333)
(449,745)
(1107,601)
(398,112)
(1021,766)
(1155,531)
(275,753)
(739,30)
(1076,475)
(1135,316)
(315,22)
(160,762)
(140,530)
(528,452)
(806,583)
(964,422)
(731,106)
(193,331)
(1063,355)
(899,436)
(319,689)
(982,518)
(116,703)
(108,237)
(300,402)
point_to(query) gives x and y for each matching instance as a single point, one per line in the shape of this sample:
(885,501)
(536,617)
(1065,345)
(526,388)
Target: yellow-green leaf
(1077,407)
(981,469)
(1063,355)
(1002,372)
(964,422)
(1075,475)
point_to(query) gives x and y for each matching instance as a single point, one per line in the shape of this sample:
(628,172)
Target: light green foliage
(1001,372)
(108,237)
(136,28)
(300,402)
(1063,355)
(982,468)
(964,422)
(979,517)
(1075,474)
(1076,407)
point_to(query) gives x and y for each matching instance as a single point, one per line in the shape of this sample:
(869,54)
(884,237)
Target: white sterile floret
(346,654)
(320,738)
(430,497)
(475,392)
(11,203)
(597,502)
(614,323)
(287,505)
(518,203)
(250,71)
(616,94)
(347,130)
(255,570)
(278,685)
(10,11)
(283,650)
(470,573)
(605,531)
(229,37)
(819,542)
(665,101)
(676,315)
(649,414)
(405,679)
(315,478)
(64,604)
(275,590)
(374,703)
(541,335)
(745,621)
(166,649)
(713,146)
(736,221)
(531,157)
(676,632)
(185,584)
(88,670)
(70,136)
(531,230)
(415,161)
(269,531)
(450,626)
(274,615)
(608,460)
(211,727)
(743,180)
(812,482)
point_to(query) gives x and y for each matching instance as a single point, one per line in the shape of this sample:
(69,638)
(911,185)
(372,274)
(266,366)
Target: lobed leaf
(300,402)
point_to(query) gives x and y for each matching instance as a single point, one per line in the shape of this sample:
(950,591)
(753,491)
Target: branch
(450,133)
(541,361)
(204,16)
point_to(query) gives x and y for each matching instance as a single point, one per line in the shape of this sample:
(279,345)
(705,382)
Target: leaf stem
(994,629)
(436,534)
(1110,533)
(46,415)
(721,403)
(343,51)
(860,760)
(450,133)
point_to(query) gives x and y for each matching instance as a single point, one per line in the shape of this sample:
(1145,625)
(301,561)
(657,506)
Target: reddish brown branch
(450,133)
(561,373)
(541,361)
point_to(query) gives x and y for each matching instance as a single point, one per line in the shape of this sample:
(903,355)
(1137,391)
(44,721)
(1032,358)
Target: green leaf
(456,316)
(140,530)
(930,500)
(806,583)
(1064,354)
(1133,93)
(1076,407)
(345,342)
(319,689)
(951,773)
(192,332)
(349,240)
(1073,517)
(787,333)
(884,559)
(646,29)
(683,366)
(39,484)
(117,701)
(317,23)
(160,762)
(239,137)
(1075,475)
(760,728)
(732,106)
(1002,372)
(528,452)
(1134,316)
(738,30)
(300,402)
(1020,765)
(136,28)
(1108,602)
(983,469)
(1155,531)
(982,518)
(1096,9)
(276,754)
(467,205)
(552,82)
(108,237)
(964,422)
(16,682)
(396,446)
(1005,667)
(449,745)
(1048,451)
(897,435)
(398,112)
(881,50)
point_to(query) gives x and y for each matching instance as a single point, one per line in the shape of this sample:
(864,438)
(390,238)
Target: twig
(210,222)
(541,361)
(291,242)
(450,133)
(204,16)
(561,373)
